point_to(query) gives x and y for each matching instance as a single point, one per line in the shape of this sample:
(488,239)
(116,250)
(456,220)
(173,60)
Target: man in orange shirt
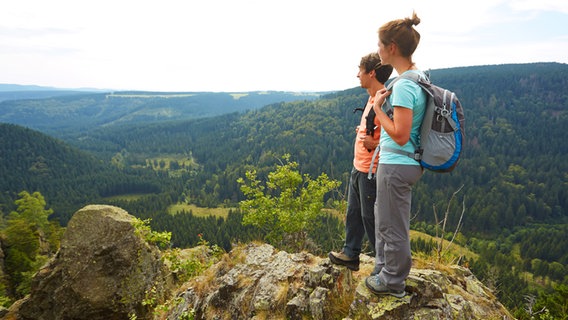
(360,218)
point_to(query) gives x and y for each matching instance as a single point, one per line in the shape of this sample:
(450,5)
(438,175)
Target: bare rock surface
(265,283)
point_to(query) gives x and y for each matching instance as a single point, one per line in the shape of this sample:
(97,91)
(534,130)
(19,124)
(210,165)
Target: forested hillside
(69,178)
(513,171)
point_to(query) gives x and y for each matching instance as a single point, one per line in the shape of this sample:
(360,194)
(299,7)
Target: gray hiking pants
(392,222)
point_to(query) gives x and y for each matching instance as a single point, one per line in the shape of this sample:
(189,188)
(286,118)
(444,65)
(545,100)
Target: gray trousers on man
(392,221)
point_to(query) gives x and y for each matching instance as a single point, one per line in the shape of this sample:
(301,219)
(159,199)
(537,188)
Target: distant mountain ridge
(22,87)
(19,91)
(53,111)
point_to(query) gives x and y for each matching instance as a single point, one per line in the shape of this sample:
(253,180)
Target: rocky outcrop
(269,284)
(432,294)
(103,270)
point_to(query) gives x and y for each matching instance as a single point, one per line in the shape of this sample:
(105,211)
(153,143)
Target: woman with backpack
(397,173)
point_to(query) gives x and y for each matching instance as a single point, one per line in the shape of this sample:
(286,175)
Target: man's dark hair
(372,61)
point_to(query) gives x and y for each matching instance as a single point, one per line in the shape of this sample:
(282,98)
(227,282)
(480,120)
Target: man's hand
(370,143)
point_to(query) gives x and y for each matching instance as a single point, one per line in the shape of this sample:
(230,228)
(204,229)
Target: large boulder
(103,270)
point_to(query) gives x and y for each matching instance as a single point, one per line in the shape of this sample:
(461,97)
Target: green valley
(182,172)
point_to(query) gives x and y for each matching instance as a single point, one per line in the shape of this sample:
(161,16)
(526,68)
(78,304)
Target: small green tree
(160,239)
(287,207)
(29,239)
(31,208)
(22,247)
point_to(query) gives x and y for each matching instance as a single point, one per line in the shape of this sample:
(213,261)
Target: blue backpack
(442,131)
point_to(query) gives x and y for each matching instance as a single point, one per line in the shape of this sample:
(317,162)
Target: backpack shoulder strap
(387,107)
(375,154)
(423,82)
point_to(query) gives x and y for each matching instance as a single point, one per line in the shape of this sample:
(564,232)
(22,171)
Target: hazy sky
(249,45)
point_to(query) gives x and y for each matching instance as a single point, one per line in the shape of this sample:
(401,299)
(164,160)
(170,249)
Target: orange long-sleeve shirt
(362,157)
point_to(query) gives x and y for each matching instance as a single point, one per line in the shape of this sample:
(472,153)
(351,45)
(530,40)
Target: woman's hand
(380,98)
(399,127)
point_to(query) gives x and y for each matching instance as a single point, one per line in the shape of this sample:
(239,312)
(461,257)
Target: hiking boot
(341,258)
(376,287)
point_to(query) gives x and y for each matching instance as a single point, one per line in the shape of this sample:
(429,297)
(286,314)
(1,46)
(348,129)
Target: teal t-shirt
(406,94)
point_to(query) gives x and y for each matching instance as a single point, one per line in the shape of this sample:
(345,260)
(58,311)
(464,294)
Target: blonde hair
(401,32)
